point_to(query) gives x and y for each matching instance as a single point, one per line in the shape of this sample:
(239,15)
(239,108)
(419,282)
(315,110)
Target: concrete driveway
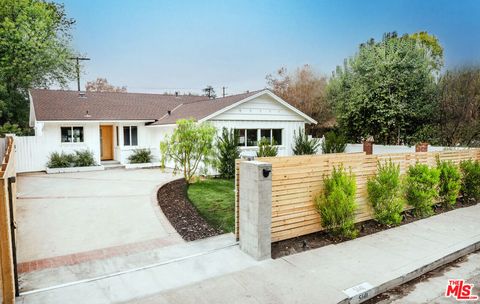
(68,218)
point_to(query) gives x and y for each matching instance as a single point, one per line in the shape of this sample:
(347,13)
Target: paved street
(431,288)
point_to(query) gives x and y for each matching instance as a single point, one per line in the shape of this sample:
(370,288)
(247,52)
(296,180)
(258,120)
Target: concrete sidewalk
(331,274)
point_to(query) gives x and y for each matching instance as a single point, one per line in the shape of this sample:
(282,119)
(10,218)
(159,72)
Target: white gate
(31,153)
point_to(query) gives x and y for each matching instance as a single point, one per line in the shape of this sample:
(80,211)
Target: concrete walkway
(331,274)
(71,217)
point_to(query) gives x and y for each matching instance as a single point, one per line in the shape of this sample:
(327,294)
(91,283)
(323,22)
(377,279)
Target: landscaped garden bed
(325,238)
(183,216)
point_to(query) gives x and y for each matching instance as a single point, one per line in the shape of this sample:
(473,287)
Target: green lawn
(215,200)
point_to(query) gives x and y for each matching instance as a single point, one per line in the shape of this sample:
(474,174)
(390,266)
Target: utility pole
(78,68)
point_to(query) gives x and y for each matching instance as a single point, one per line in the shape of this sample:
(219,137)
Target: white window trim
(72,142)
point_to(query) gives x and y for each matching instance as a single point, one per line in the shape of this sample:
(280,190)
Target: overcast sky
(158,46)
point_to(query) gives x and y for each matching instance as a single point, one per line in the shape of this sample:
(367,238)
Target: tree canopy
(305,90)
(386,90)
(102,85)
(35,51)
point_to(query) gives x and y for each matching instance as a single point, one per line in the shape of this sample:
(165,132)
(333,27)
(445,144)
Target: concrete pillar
(421,147)
(255,218)
(368,147)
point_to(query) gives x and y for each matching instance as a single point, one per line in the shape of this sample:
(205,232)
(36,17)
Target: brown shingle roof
(51,105)
(201,109)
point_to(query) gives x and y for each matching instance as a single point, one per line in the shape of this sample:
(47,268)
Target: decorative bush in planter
(78,159)
(61,160)
(140,156)
(384,194)
(336,204)
(422,188)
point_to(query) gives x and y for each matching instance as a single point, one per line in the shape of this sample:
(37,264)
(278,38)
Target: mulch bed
(183,216)
(323,238)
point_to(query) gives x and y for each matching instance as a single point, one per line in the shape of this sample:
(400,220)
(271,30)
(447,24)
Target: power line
(78,68)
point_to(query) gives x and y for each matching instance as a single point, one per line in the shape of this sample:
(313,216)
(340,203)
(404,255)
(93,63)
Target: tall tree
(305,90)
(102,85)
(34,52)
(459,112)
(386,90)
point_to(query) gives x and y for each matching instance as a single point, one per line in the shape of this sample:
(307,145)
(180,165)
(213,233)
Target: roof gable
(265,104)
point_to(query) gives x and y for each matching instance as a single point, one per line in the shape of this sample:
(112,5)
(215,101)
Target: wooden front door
(106,142)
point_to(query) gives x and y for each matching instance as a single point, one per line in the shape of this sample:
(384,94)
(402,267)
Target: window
(277,136)
(241,137)
(71,134)
(130,136)
(249,137)
(117,136)
(252,137)
(266,133)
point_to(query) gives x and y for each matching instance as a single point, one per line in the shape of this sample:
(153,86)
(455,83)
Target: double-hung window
(130,136)
(71,134)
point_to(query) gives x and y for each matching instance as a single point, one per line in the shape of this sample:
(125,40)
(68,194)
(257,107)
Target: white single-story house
(112,125)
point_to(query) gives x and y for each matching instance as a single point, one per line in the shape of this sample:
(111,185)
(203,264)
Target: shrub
(470,179)
(334,143)
(336,204)
(228,151)
(78,159)
(60,160)
(303,145)
(384,194)
(266,149)
(422,188)
(83,158)
(450,182)
(140,156)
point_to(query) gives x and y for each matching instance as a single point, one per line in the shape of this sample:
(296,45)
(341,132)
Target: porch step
(112,164)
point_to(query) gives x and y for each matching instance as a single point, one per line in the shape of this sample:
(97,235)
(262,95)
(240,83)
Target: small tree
(334,143)
(384,194)
(266,149)
(303,145)
(228,151)
(336,204)
(189,145)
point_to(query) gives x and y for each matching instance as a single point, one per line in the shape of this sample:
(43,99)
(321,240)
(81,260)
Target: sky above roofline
(167,46)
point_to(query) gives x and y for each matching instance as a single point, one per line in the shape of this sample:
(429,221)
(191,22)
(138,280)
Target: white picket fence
(31,153)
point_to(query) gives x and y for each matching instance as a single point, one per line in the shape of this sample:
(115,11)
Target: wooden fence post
(6,257)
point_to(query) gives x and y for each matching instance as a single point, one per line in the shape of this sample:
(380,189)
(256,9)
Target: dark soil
(183,216)
(323,238)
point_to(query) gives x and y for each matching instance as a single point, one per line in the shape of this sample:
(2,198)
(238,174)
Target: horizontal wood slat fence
(296,180)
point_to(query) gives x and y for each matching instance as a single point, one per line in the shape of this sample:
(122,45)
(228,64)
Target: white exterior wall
(33,151)
(262,112)
(288,127)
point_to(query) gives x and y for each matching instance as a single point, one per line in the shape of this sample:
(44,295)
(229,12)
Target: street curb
(376,290)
